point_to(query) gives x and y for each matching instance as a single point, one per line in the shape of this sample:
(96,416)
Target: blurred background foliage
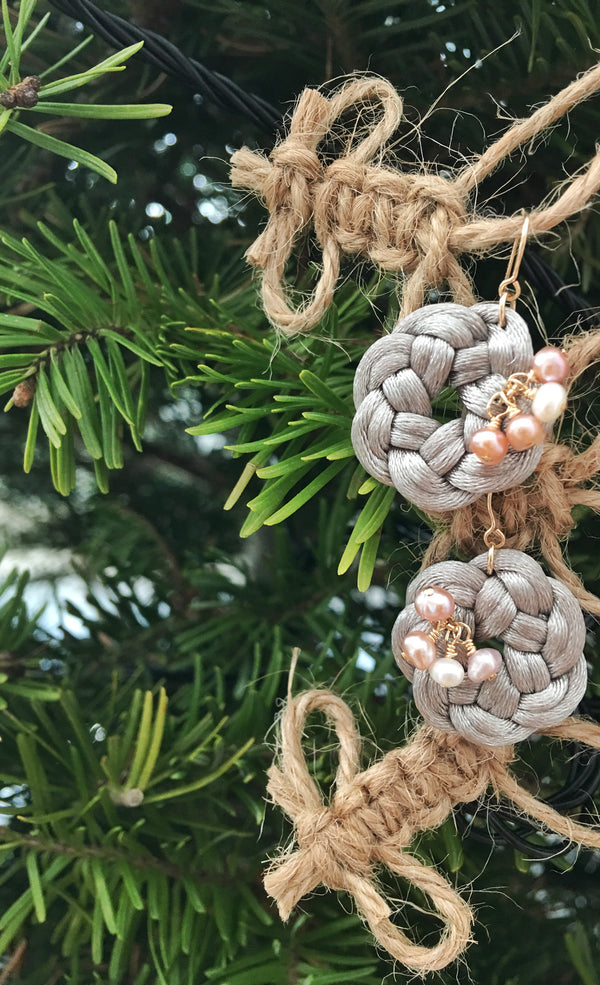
(144,644)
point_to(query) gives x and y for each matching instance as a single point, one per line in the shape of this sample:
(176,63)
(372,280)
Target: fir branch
(16,839)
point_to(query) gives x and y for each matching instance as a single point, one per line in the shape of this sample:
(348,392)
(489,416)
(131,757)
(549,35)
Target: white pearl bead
(447,672)
(549,402)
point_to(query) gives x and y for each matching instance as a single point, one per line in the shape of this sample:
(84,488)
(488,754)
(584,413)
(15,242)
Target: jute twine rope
(416,224)
(373,816)
(543,675)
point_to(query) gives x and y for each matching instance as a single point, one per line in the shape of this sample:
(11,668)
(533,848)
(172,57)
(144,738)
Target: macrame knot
(371,820)
(335,843)
(433,209)
(291,180)
(374,814)
(416,224)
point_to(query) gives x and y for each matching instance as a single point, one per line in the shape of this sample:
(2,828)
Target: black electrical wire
(213,86)
(546,281)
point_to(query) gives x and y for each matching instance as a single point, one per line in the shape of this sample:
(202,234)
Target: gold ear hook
(493,538)
(510,289)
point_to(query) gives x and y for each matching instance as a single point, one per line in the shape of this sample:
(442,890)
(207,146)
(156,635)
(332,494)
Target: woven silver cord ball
(543,674)
(393,432)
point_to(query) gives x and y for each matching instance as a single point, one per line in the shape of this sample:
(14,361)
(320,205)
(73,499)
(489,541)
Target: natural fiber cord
(416,223)
(374,815)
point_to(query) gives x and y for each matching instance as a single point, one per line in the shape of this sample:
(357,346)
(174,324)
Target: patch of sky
(17,796)
(377,597)
(155,210)
(364,661)
(163,143)
(205,443)
(180,410)
(97,732)
(337,605)
(214,209)
(187,168)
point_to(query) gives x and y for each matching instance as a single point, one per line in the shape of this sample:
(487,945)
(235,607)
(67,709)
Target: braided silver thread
(543,675)
(394,435)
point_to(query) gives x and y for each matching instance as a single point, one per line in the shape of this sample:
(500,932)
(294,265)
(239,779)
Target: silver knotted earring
(447,640)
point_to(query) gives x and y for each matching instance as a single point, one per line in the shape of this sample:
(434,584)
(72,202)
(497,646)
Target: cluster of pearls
(437,606)
(543,385)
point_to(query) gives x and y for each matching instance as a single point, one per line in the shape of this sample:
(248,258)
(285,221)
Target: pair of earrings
(511,398)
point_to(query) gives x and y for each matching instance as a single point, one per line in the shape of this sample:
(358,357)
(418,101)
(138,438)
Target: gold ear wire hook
(493,538)
(510,289)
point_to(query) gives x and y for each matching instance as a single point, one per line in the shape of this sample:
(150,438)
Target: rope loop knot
(412,223)
(374,814)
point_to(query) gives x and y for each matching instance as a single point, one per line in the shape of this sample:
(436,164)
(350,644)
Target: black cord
(213,86)
(544,278)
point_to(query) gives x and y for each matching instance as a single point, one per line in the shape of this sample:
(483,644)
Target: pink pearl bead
(419,650)
(524,431)
(483,665)
(550,365)
(489,445)
(434,604)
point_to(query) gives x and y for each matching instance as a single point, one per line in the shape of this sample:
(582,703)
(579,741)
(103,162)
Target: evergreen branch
(302,421)
(18,96)
(76,377)
(125,858)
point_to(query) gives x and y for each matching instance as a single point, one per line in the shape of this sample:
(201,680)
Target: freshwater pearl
(549,402)
(434,604)
(489,445)
(524,431)
(484,664)
(447,672)
(550,365)
(419,650)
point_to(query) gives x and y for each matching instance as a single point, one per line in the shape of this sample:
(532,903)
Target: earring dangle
(511,426)
(458,614)
(510,399)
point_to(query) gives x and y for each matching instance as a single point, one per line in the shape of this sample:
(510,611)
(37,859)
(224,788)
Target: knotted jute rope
(543,674)
(417,224)
(373,816)
(394,433)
